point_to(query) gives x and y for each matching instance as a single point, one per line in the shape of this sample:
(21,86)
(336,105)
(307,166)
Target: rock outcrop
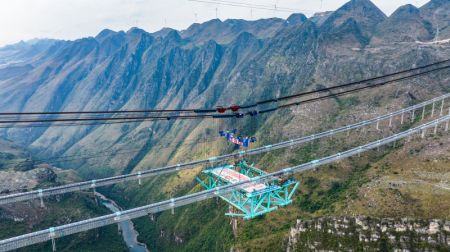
(369,234)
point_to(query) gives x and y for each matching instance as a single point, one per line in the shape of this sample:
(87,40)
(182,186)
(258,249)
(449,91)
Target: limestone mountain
(353,23)
(222,63)
(320,17)
(437,12)
(19,52)
(223,32)
(174,69)
(406,24)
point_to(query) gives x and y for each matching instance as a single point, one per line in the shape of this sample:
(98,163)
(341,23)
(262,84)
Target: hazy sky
(71,19)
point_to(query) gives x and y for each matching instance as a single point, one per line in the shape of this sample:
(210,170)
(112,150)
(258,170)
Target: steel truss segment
(251,201)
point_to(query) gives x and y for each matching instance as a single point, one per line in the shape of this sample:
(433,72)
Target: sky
(73,19)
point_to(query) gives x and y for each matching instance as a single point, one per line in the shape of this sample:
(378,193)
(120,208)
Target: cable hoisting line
(200,111)
(251,5)
(85,225)
(209,116)
(11,198)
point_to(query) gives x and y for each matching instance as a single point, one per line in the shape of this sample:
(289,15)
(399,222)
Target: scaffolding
(252,199)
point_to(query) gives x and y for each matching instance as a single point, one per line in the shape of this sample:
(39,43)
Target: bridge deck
(234,177)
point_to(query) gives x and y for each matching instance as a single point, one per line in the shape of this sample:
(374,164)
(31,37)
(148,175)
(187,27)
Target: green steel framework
(277,193)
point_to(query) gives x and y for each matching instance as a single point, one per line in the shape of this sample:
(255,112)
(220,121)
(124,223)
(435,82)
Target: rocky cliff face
(406,24)
(437,12)
(369,234)
(353,24)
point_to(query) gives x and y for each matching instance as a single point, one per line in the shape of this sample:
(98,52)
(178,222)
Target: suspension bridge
(85,225)
(264,195)
(437,107)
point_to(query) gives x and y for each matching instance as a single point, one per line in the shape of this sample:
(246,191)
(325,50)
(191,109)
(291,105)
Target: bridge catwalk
(85,225)
(92,184)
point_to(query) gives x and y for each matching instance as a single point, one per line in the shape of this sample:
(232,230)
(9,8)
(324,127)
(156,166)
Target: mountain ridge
(115,68)
(407,21)
(238,64)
